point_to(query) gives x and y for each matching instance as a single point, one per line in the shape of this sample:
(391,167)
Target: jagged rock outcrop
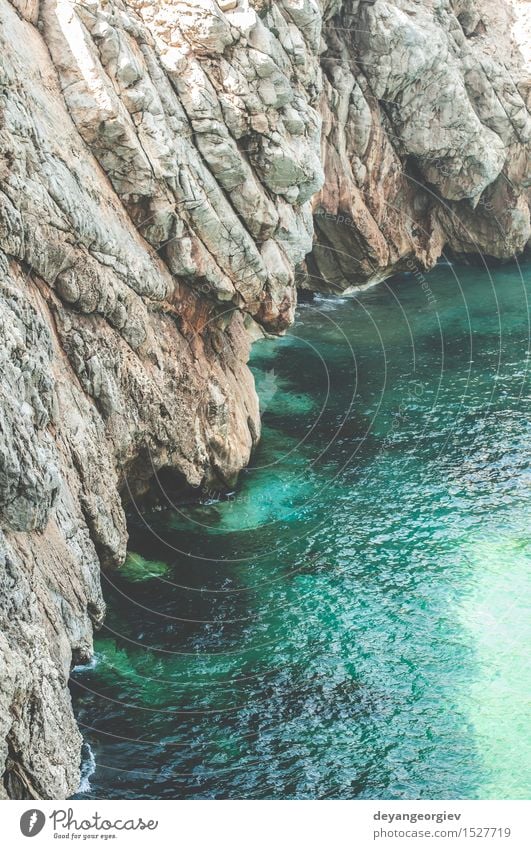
(168,171)
(426,137)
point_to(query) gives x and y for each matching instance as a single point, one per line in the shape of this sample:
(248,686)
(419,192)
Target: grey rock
(168,172)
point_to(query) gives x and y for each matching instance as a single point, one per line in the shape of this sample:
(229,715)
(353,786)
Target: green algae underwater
(353,621)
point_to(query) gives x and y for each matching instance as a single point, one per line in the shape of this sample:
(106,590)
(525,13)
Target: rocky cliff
(169,171)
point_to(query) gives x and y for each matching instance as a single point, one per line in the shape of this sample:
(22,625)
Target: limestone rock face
(426,137)
(168,171)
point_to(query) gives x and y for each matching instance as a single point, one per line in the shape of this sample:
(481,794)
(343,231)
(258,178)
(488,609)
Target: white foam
(85,667)
(88,768)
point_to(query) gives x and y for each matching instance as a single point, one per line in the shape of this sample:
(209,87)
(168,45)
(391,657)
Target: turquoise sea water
(353,621)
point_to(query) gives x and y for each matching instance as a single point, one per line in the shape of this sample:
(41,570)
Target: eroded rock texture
(426,135)
(165,168)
